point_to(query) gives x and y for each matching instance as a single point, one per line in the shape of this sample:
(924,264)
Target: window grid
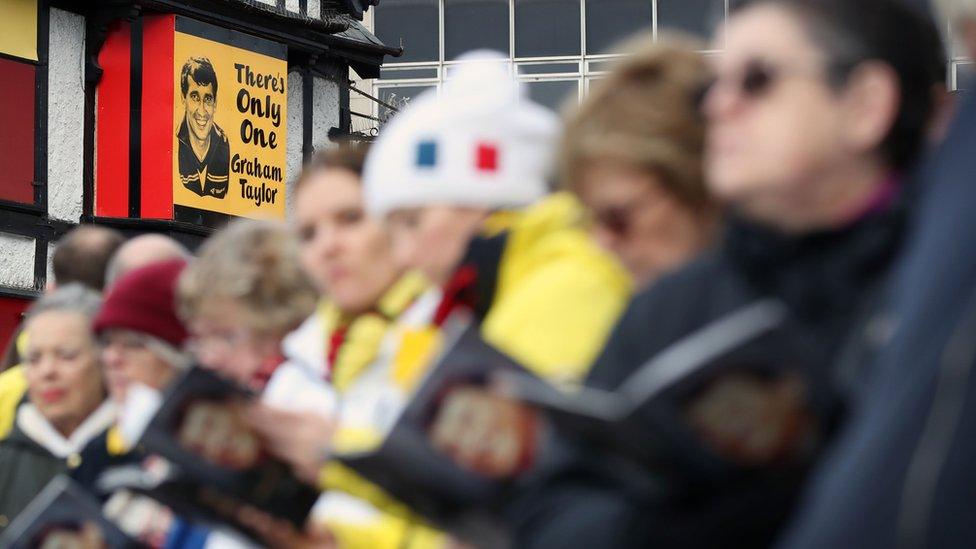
(585,75)
(582,76)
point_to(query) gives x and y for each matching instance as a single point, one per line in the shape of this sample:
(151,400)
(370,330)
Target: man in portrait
(204,151)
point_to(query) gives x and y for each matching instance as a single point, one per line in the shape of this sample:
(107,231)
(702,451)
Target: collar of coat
(36,427)
(822,272)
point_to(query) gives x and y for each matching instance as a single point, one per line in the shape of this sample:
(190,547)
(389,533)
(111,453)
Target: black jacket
(903,472)
(829,281)
(103,452)
(25,468)
(210,176)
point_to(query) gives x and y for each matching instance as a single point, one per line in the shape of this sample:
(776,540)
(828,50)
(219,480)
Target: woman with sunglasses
(632,153)
(818,110)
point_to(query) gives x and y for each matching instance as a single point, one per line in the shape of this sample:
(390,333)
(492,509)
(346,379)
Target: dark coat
(902,474)
(830,283)
(25,468)
(101,453)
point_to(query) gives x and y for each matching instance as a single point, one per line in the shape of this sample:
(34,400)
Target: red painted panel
(10,311)
(157,116)
(112,125)
(17,137)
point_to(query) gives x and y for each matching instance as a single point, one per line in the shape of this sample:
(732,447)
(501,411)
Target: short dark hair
(851,32)
(83,254)
(345,155)
(202,72)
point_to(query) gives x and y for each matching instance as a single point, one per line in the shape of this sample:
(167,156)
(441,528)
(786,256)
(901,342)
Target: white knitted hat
(480,143)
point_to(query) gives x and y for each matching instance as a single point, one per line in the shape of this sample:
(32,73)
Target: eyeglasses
(616,220)
(219,342)
(126,341)
(759,76)
(620,220)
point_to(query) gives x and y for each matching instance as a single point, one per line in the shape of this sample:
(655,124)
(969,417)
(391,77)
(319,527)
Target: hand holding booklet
(64,515)
(213,463)
(411,468)
(742,391)
(733,394)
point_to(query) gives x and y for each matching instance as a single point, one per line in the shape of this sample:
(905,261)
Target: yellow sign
(230,123)
(18,28)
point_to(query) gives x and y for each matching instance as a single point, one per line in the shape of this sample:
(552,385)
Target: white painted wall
(66,115)
(314,9)
(325,110)
(16,261)
(50,262)
(293,150)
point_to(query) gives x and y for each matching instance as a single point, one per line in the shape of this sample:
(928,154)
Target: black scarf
(821,273)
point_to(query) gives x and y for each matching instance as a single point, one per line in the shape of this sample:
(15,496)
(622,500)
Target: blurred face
(222,340)
(347,254)
(434,239)
(129,360)
(634,218)
(774,124)
(64,380)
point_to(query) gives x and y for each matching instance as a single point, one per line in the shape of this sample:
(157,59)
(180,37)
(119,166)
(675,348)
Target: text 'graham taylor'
(260,194)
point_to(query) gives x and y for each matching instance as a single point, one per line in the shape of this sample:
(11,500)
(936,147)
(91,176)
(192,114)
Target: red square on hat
(487,158)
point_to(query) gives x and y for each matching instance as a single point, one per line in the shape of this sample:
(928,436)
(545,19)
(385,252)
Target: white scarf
(39,429)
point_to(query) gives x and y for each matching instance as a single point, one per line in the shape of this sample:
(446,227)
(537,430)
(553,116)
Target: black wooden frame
(31,220)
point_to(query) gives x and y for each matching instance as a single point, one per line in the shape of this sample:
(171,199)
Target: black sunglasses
(617,220)
(758,77)
(752,82)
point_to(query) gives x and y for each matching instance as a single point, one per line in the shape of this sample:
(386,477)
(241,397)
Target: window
(553,93)
(608,21)
(695,16)
(965,73)
(557,47)
(475,24)
(398,96)
(413,24)
(547,28)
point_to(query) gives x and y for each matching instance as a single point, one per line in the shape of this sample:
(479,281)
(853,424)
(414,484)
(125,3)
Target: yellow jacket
(13,385)
(558,294)
(556,299)
(356,526)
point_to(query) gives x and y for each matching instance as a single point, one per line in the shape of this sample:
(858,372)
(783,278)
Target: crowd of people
(817,162)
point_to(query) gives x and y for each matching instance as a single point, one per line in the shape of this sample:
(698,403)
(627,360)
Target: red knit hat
(144,301)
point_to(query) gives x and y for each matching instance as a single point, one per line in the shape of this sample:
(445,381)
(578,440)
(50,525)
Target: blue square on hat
(426,154)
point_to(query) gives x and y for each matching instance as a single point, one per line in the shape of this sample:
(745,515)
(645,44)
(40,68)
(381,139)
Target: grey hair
(74,298)
(168,353)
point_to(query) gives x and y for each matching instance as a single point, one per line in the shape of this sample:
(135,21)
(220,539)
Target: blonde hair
(644,115)
(256,265)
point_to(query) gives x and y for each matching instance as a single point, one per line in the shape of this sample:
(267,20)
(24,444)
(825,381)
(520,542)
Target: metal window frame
(583,76)
(953,73)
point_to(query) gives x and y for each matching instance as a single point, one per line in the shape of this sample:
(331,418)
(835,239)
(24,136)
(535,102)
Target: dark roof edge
(300,33)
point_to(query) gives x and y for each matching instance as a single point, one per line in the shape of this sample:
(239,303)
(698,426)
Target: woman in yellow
(462,179)
(347,256)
